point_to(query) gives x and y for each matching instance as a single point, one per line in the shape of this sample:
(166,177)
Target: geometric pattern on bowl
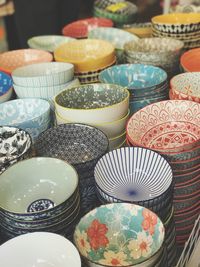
(113,234)
(134,175)
(168,126)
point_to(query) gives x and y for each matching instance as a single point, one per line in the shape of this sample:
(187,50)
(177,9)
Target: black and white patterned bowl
(15,145)
(134,175)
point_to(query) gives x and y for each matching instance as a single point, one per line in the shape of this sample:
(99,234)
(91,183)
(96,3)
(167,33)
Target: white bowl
(43,74)
(115,142)
(39,249)
(93,103)
(111,129)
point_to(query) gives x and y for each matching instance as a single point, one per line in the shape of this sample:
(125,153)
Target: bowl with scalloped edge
(165,126)
(103,232)
(6,89)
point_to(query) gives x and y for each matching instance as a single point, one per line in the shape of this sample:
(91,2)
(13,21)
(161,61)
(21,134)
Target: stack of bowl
(48,248)
(172,128)
(186,86)
(43,80)
(161,52)
(31,115)
(142,30)
(11,60)
(88,56)
(38,194)
(180,26)
(140,176)
(115,36)
(104,106)
(146,84)
(48,42)
(80,28)
(190,61)
(15,146)
(121,234)
(120,12)
(80,145)
(6,88)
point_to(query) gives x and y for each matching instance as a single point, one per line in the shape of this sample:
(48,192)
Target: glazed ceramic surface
(190,60)
(166,126)
(5,83)
(48,42)
(46,249)
(43,74)
(111,235)
(97,103)
(36,184)
(133,175)
(11,60)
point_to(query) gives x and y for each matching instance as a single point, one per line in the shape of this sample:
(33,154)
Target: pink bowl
(11,60)
(166,126)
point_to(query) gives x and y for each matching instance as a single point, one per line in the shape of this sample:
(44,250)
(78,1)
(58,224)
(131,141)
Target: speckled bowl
(106,229)
(94,103)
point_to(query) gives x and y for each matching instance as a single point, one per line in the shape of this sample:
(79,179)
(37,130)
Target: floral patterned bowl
(166,126)
(15,145)
(5,87)
(119,235)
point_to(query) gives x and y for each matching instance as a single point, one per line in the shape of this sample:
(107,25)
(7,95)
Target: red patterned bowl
(80,28)
(166,126)
(11,60)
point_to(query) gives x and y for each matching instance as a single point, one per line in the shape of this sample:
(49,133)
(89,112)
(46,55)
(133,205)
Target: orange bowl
(11,60)
(190,60)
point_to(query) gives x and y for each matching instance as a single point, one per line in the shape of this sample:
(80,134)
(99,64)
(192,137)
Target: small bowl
(43,74)
(11,60)
(48,42)
(15,146)
(190,60)
(43,250)
(108,228)
(94,103)
(86,55)
(160,126)
(80,28)
(50,183)
(5,87)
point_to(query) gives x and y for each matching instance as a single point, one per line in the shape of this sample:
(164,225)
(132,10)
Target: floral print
(150,220)
(83,244)
(114,259)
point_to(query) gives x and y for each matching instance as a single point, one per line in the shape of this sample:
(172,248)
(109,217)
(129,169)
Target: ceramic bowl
(190,60)
(116,141)
(94,103)
(43,74)
(32,115)
(50,182)
(6,89)
(108,228)
(133,177)
(11,60)
(177,22)
(111,129)
(48,42)
(140,79)
(42,250)
(15,145)
(142,30)
(80,28)
(86,55)
(157,126)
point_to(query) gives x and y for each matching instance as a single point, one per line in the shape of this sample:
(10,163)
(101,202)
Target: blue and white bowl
(32,115)
(5,87)
(134,175)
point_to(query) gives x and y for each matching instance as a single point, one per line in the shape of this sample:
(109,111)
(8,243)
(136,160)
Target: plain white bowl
(111,129)
(39,249)
(43,74)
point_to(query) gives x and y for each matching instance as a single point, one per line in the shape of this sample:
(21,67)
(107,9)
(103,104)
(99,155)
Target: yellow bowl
(177,18)
(86,55)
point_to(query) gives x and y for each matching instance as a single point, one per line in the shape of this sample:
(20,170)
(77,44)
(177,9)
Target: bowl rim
(156,19)
(46,210)
(6,93)
(184,58)
(124,89)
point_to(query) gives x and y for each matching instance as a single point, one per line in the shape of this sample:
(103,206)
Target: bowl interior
(134,76)
(190,60)
(133,174)
(91,96)
(177,18)
(5,83)
(36,184)
(75,143)
(119,235)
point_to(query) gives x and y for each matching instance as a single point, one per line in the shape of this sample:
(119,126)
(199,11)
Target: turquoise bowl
(142,80)
(120,234)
